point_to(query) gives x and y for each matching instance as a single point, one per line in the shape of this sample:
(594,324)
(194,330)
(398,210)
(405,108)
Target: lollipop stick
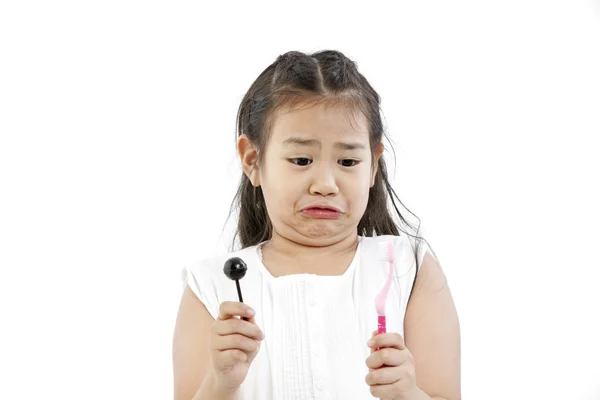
(237,283)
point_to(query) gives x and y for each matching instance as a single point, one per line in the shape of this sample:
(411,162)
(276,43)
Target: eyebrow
(295,141)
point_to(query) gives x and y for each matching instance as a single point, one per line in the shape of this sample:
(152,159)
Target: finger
(230,309)
(387,340)
(238,326)
(253,354)
(236,341)
(387,357)
(373,334)
(226,359)
(383,376)
(383,391)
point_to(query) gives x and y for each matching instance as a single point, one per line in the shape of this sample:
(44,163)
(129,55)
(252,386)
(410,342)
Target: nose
(323,181)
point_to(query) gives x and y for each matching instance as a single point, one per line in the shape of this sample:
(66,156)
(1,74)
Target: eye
(348,162)
(300,161)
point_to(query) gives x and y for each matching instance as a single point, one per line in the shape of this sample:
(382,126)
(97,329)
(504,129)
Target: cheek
(362,198)
(281,193)
(360,183)
(358,191)
(280,184)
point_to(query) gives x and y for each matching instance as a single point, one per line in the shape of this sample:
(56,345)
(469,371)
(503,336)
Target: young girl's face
(317,157)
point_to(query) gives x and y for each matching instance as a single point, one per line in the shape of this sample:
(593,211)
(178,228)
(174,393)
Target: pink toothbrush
(386,254)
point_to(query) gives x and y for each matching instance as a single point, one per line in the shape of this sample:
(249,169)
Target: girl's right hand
(234,343)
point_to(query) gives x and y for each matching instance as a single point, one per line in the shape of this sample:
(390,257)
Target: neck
(279,244)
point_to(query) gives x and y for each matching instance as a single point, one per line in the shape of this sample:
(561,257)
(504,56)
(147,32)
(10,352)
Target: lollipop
(235,269)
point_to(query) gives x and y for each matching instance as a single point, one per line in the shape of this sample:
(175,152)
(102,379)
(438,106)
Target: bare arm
(191,356)
(432,334)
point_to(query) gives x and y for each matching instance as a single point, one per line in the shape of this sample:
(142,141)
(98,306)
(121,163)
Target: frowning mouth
(322,212)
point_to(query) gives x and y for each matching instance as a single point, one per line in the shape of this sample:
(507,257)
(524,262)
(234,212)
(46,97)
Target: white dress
(316,327)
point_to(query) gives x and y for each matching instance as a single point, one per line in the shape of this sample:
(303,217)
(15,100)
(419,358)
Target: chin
(320,231)
(323,234)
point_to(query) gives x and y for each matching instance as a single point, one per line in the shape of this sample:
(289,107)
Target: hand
(391,368)
(234,343)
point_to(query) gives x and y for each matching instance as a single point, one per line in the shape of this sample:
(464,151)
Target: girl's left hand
(391,368)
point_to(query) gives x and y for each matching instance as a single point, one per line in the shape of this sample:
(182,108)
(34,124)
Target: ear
(249,157)
(377,154)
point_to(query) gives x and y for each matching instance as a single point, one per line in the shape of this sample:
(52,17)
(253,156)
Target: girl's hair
(326,77)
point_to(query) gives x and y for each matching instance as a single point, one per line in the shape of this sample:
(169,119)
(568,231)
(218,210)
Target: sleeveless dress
(316,327)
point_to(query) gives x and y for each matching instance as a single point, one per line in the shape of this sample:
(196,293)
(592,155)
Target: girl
(314,224)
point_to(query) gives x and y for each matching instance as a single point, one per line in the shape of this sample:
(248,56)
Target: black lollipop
(235,269)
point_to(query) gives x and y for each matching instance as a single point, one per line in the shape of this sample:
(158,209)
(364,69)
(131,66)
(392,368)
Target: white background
(117,166)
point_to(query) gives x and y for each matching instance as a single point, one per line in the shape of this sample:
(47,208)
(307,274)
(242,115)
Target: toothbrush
(386,254)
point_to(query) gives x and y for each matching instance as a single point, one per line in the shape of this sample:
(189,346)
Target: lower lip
(321,213)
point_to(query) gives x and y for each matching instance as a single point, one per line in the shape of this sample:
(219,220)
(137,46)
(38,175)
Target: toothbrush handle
(381,324)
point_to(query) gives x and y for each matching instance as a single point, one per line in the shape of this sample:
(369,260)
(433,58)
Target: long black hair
(324,77)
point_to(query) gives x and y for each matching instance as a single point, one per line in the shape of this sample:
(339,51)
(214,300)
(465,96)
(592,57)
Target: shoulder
(207,280)
(213,266)
(430,280)
(430,288)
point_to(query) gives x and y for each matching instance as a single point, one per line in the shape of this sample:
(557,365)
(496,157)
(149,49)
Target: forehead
(324,123)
